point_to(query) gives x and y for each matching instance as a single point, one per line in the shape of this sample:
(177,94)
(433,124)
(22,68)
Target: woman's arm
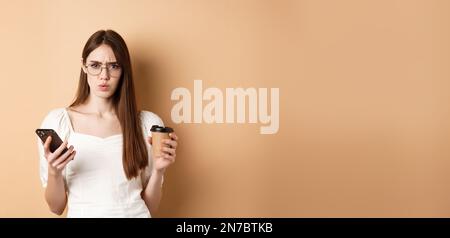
(152,193)
(55,193)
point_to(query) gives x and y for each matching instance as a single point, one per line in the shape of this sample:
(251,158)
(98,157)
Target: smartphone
(56,140)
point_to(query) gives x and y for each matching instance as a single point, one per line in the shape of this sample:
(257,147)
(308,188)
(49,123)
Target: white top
(95,179)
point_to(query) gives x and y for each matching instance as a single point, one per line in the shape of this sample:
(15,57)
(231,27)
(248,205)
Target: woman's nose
(104,73)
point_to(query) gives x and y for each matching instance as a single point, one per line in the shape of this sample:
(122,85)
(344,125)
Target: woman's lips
(103,87)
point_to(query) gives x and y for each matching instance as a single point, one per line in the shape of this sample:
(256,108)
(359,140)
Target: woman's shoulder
(149,118)
(55,119)
(55,114)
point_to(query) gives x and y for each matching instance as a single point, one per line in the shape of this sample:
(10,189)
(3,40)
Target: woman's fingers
(60,149)
(170,143)
(47,145)
(168,150)
(165,156)
(63,157)
(173,136)
(170,158)
(70,158)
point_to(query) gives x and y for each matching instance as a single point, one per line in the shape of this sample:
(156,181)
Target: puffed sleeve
(55,120)
(148,119)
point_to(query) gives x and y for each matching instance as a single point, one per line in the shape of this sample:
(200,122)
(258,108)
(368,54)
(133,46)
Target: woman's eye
(94,66)
(115,66)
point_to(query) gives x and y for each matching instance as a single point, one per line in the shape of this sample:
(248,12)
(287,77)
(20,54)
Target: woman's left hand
(168,153)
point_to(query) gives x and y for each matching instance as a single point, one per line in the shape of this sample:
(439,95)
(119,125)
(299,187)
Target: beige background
(364,101)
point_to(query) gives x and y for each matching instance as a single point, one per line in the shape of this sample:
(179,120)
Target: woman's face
(103,72)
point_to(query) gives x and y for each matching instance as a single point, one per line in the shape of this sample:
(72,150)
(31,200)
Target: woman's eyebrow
(95,61)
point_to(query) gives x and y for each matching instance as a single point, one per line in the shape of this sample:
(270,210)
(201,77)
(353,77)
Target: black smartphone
(56,140)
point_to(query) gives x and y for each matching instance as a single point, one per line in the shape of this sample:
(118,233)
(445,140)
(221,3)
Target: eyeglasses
(95,69)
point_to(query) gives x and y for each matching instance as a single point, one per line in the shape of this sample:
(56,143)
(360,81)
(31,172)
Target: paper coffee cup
(159,133)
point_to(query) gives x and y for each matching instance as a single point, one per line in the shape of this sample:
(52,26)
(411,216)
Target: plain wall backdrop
(364,101)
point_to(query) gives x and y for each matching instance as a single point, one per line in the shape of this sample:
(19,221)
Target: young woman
(109,169)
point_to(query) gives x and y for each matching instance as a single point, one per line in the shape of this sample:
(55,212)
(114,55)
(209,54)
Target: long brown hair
(135,155)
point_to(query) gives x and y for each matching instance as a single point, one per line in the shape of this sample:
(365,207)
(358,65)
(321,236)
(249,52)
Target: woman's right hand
(57,161)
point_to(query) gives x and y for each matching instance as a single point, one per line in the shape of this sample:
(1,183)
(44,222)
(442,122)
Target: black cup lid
(156,128)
